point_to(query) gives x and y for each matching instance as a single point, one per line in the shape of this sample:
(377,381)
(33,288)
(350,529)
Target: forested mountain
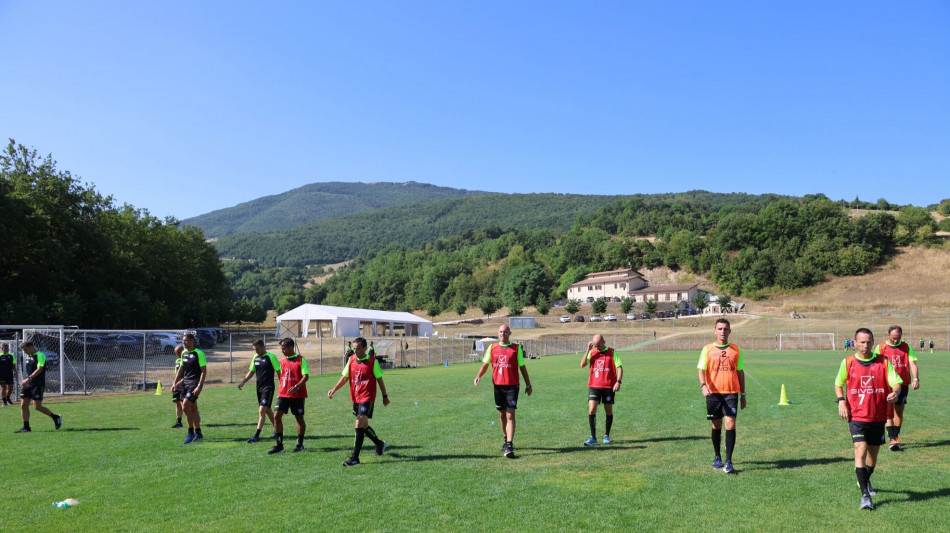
(71,257)
(748,246)
(343,238)
(314,202)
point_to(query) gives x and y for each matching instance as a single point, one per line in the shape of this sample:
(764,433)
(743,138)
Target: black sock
(358,445)
(26,425)
(191,431)
(863,477)
(891,433)
(179,420)
(53,415)
(610,422)
(300,439)
(257,434)
(730,443)
(198,431)
(372,435)
(717,441)
(870,470)
(592,420)
(280,439)
(897,432)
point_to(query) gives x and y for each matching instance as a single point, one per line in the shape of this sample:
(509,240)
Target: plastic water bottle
(61,505)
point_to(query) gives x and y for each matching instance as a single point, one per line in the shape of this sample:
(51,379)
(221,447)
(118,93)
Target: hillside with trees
(72,257)
(317,201)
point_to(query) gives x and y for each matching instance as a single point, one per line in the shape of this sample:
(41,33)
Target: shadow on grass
(393,453)
(673,439)
(101,429)
(242,425)
(291,438)
(936,444)
(582,448)
(917,496)
(784,464)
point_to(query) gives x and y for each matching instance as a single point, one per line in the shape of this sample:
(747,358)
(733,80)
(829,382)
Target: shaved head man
(606,373)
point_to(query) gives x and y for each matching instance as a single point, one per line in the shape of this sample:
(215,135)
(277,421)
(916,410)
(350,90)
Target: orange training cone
(784,399)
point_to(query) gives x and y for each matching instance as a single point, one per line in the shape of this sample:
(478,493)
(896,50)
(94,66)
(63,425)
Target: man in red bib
(865,384)
(506,359)
(291,394)
(606,371)
(902,357)
(363,372)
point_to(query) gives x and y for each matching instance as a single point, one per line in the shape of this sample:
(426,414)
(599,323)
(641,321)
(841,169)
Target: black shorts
(506,397)
(293,406)
(32,392)
(188,392)
(869,432)
(364,409)
(722,405)
(265,396)
(902,396)
(6,380)
(176,395)
(601,395)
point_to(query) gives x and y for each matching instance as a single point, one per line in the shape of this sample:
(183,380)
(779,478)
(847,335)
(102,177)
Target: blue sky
(186,107)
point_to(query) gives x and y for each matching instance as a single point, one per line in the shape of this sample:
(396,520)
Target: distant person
(902,358)
(506,359)
(264,366)
(191,378)
(931,346)
(348,352)
(33,386)
(177,391)
(7,373)
(372,349)
(862,387)
(364,374)
(606,371)
(722,381)
(921,344)
(291,395)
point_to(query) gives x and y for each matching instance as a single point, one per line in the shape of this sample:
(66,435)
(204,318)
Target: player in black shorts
(265,365)
(33,386)
(191,378)
(7,373)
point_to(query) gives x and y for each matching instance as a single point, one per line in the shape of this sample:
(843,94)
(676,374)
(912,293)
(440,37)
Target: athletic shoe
(190,438)
(254,438)
(177,425)
(606,439)
(352,461)
(381,448)
(871,490)
(298,448)
(510,452)
(276,449)
(894,445)
(717,462)
(590,441)
(728,468)
(866,502)
(199,436)
(58,421)
(22,430)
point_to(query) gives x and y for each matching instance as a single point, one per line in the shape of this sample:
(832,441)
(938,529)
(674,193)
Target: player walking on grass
(264,365)
(33,386)
(7,374)
(506,359)
(191,378)
(291,394)
(606,371)
(862,386)
(363,372)
(722,380)
(902,358)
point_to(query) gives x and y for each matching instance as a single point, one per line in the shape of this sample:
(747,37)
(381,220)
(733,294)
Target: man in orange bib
(722,380)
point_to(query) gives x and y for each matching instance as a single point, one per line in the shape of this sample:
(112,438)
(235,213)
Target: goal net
(806,341)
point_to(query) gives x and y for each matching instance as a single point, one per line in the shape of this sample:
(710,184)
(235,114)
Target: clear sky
(185,107)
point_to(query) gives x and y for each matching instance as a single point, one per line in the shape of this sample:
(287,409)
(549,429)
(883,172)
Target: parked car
(631,316)
(579,318)
(124,344)
(590,299)
(164,342)
(595,318)
(645,316)
(565,318)
(610,318)
(205,337)
(616,299)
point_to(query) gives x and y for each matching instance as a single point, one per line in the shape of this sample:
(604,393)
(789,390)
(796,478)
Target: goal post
(806,341)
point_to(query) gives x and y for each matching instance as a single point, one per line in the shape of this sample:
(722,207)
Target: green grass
(444,470)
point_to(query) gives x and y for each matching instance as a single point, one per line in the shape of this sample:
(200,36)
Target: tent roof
(329,312)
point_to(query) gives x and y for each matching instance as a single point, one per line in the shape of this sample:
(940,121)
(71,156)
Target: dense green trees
(71,257)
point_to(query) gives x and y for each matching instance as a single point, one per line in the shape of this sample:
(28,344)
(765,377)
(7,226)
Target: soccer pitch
(444,470)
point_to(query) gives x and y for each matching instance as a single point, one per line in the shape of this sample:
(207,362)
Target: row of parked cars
(629,316)
(125,345)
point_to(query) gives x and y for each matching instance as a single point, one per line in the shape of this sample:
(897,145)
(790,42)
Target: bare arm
(527,381)
(336,387)
(843,404)
(382,388)
(619,378)
(741,374)
(702,382)
(915,375)
(481,372)
(245,380)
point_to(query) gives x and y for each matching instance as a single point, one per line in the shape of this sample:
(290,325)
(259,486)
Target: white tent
(349,322)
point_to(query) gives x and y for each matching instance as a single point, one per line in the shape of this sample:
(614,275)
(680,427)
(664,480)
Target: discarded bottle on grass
(61,505)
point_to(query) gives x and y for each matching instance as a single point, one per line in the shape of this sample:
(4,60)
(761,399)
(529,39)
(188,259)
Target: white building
(683,292)
(609,284)
(330,321)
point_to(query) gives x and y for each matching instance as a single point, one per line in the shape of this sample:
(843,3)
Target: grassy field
(444,470)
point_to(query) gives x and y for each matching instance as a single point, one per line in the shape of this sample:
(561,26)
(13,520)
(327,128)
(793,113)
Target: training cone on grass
(784,399)
(158,389)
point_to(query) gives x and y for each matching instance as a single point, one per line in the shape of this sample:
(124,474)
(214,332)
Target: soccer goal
(806,341)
